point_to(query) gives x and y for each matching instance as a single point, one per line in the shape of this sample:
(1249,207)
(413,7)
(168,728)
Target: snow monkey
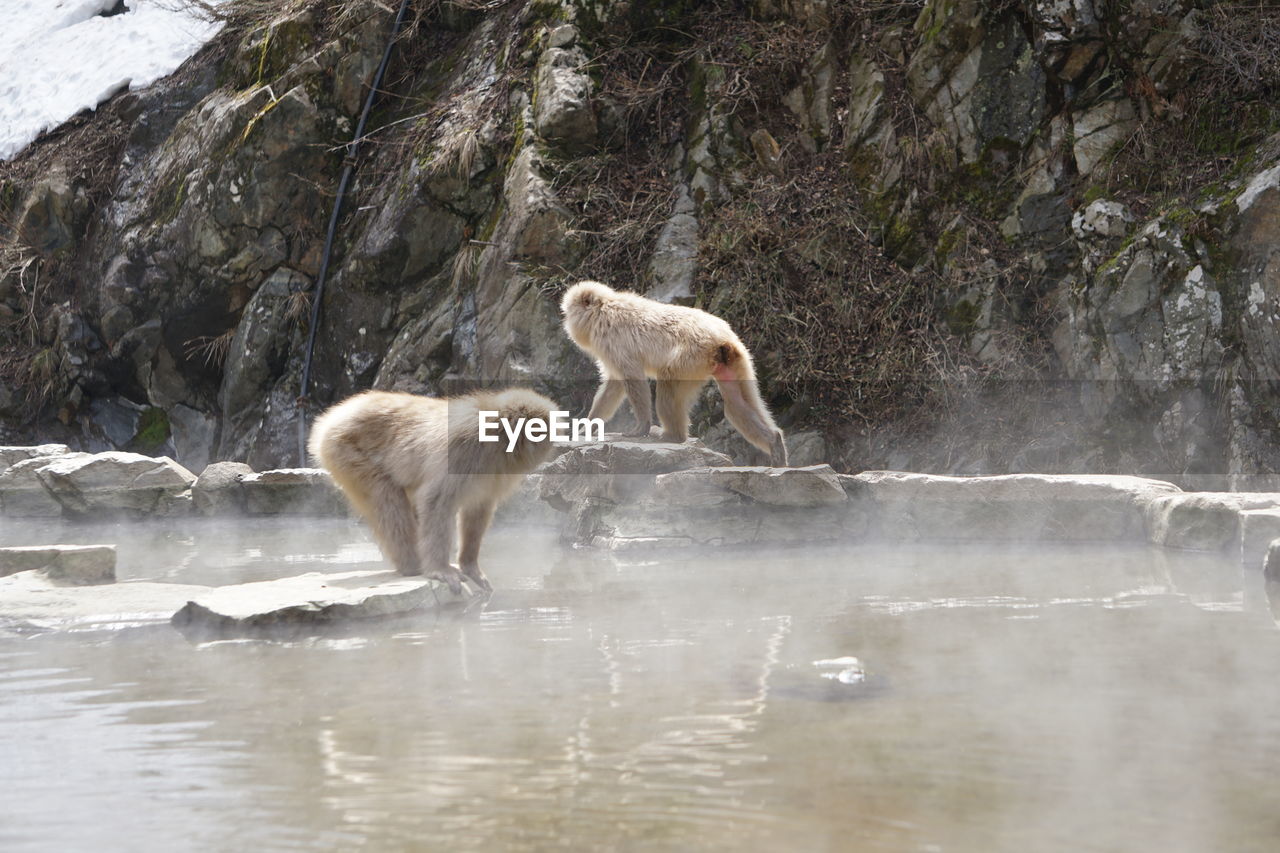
(411,464)
(633,338)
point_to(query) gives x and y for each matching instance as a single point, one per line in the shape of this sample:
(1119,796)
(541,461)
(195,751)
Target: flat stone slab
(1016,507)
(74,564)
(309,600)
(34,600)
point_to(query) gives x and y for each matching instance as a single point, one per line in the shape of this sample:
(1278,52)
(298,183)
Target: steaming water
(1038,699)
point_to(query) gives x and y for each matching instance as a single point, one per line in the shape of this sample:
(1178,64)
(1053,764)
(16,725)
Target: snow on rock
(59,57)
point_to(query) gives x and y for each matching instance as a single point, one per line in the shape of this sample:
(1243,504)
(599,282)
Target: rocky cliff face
(962,236)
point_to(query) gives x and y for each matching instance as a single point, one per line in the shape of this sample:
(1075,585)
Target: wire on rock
(348,167)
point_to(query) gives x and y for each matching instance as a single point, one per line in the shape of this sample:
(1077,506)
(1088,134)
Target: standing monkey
(411,465)
(633,338)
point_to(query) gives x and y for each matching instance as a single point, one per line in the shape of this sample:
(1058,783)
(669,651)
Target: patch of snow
(58,57)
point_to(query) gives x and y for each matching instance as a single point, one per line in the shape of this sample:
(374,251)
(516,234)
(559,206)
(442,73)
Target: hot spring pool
(1021,699)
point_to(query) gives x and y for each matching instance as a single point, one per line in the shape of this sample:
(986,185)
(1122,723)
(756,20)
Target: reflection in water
(1030,699)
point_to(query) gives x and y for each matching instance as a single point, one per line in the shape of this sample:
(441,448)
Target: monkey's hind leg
(675,399)
(436,511)
(386,508)
(745,410)
(473,521)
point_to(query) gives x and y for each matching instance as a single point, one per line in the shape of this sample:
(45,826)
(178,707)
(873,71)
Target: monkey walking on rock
(414,466)
(633,338)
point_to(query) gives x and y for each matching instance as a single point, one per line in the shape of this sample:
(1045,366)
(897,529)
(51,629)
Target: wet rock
(618,470)
(1018,507)
(115,483)
(71,564)
(525,505)
(12,455)
(292,491)
(193,435)
(218,490)
(307,601)
(34,599)
(1202,521)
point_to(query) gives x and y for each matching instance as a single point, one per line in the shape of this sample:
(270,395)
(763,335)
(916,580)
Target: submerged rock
(33,599)
(308,600)
(74,564)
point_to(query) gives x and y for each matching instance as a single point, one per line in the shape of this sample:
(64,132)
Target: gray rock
(11,455)
(618,470)
(1258,529)
(1018,507)
(73,564)
(817,485)
(115,482)
(292,491)
(33,598)
(1271,568)
(562,113)
(193,434)
(218,490)
(1099,129)
(1101,218)
(675,257)
(308,600)
(1202,521)
(24,495)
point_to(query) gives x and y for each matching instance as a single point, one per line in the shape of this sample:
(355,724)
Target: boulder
(72,564)
(307,601)
(22,492)
(1017,507)
(1202,521)
(117,483)
(218,490)
(292,491)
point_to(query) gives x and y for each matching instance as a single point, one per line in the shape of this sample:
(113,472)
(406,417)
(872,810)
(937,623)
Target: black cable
(349,165)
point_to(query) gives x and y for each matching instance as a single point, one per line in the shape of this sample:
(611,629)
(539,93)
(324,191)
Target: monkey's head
(584,296)
(514,404)
(579,306)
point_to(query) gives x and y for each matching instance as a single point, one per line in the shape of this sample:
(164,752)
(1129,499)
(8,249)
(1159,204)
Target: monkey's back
(391,431)
(664,339)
